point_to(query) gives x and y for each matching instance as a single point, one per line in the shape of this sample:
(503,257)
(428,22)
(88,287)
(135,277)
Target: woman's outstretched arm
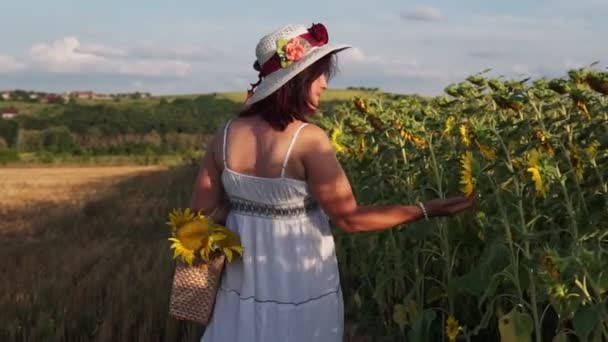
(332,189)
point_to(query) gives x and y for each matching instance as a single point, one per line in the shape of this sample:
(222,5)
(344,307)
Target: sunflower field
(530,261)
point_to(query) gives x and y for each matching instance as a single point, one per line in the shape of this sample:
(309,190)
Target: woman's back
(287,285)
(254,148)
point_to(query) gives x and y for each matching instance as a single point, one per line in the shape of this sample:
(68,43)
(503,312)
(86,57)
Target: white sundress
(286,288)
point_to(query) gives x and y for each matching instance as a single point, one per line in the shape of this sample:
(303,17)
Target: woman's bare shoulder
(313,133)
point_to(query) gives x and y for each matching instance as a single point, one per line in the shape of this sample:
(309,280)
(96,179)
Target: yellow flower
(362,149)
(180,251)
(487,152)
(540,187)
(449,124)
(451,328)
(335,140)
(533,158)
(535,170)
(466,175)
(194,234)
(229,242)
(417,141)
(189,238)
(464,135)
(577,162)
(544,142)
(360,104)
(179,217)
(591,149)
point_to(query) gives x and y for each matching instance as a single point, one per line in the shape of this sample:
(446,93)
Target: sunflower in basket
(197,237)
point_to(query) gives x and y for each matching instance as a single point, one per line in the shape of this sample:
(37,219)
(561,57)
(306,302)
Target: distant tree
(9,131)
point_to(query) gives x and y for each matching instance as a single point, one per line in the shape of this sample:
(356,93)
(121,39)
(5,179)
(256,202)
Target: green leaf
(400,316)
(585,320)
(494,258)
(561,337)
(228,253)
(421,326)
(515,327)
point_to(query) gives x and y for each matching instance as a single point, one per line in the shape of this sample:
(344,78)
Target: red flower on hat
(319,32)
(294,50)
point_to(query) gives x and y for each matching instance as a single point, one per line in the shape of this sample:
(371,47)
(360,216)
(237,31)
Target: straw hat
(285,52)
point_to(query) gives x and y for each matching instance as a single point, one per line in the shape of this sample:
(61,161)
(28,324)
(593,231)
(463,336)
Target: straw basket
(194,288)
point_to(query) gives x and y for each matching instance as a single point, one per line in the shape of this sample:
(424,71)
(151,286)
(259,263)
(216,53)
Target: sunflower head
(196,235)
(449,125)
(486,152)
(539,185)
(538,172)
(465,136)
(466,174)
(179,217)
(591,149)
(335,140)
(451,328)
(361,148)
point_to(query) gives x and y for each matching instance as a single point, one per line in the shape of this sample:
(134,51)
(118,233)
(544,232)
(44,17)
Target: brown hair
(290,102)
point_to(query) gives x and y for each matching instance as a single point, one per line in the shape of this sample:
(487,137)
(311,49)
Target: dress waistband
(271,210)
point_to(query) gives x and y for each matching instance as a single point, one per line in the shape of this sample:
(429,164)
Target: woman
(274,179)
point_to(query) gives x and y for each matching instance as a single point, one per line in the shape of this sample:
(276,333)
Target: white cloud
(10,64)
(70,55)
(423,13)
(101,50)
(64,55)
(356,56)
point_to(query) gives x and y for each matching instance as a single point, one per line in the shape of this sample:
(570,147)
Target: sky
(185,47)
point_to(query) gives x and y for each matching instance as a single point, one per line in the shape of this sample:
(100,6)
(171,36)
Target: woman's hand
(449,206)
(220,214)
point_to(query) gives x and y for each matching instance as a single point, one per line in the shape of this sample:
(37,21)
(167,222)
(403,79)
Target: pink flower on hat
(294,50)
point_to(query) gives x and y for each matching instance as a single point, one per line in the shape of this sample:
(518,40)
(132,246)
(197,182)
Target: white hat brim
(275,80)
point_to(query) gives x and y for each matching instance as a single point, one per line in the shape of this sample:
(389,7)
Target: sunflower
(577,162)
(591,149)
(189,238)
(464,135)
(466,175)
(179,217)
(451,328)
(544,142)
(361,149)
(486,151)
(449,124)
(417,141)
(534,169)
(229,243)
(179,250)
(360,104)
(335,140)
(540,187)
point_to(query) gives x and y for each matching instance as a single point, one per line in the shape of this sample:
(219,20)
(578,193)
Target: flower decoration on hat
(290,51)
(319,33)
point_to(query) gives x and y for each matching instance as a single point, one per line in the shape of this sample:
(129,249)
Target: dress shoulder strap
(293,140)
(224,144)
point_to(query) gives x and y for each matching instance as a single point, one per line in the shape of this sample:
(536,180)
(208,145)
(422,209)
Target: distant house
(83,94)
(9,112)
(102,97)
(6,95)
(52,98)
